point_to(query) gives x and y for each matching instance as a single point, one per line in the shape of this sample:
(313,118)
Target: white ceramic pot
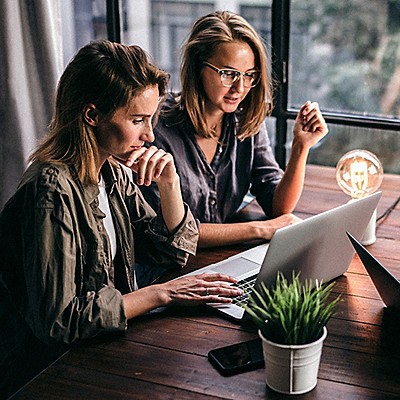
(292,369)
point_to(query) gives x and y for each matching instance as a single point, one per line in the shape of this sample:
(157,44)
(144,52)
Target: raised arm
(153,164)
(309,128)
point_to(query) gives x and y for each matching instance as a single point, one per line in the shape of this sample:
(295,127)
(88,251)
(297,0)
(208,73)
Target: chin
(230,108)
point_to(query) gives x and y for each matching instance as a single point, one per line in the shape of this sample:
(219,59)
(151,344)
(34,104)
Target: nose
(147,134)
(238,85)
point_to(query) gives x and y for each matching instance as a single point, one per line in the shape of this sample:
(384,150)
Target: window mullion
(280,56)
(113,21)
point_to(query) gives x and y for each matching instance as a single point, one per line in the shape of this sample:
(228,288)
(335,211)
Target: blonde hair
(207,34)
(103,73)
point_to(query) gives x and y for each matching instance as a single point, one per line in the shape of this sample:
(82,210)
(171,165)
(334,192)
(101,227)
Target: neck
(102,157)
(215,126)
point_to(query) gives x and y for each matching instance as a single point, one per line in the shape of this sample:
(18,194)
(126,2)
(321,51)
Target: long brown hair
(103,73)
(207,34)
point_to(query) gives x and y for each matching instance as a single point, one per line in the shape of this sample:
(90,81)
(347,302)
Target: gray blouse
(214,192)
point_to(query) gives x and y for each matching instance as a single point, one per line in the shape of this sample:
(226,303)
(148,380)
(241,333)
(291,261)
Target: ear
(91,114)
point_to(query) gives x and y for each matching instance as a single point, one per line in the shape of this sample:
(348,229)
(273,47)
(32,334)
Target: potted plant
(292,317)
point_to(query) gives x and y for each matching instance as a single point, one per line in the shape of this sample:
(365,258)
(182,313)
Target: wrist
(299,147)
(170,184)
(163,295)
(257,231)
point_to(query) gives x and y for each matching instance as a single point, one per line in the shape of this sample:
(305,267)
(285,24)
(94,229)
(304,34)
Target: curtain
(30,65)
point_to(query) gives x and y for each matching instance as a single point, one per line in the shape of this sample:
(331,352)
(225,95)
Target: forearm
(289,190)
(214,235)
(309,128)
(171,202)
(144,300)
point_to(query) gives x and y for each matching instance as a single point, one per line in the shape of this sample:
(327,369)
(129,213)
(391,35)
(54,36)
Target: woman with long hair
(79,245)
(215,130)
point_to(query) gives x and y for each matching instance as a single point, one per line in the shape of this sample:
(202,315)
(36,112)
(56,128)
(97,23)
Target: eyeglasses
(230,76)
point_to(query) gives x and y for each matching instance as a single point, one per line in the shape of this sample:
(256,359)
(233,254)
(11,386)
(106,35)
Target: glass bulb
(359,173)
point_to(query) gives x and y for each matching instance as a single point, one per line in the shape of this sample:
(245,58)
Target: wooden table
(163,355)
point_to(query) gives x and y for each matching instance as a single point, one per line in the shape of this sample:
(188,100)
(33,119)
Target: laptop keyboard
(246,285)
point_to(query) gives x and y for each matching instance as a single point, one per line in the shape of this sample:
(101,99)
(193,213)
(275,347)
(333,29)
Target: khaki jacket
(57,279)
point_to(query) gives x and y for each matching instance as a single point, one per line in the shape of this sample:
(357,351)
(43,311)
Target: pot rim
(295,346)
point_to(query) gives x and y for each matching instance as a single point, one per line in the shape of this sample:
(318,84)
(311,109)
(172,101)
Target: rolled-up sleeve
(154,244)
(88,316)
(185,236)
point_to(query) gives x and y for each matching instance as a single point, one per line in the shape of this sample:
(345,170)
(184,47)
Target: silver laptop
(317,247)
(387,285)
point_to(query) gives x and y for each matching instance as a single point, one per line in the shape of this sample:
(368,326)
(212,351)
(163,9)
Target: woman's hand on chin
(151,164)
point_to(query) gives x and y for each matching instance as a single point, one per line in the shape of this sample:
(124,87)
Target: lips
(232,100)
(232,103)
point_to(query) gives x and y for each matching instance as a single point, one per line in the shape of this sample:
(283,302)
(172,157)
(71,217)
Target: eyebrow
(140,115)
(247,70)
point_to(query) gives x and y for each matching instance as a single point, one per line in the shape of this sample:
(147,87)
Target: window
(170,24)
(82,21)
(345,54)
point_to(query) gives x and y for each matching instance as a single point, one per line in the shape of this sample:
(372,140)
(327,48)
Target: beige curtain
(30,65)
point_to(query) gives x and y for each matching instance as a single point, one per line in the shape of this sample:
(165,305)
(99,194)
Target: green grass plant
(291,313)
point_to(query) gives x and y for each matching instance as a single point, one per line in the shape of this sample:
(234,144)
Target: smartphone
(239,357)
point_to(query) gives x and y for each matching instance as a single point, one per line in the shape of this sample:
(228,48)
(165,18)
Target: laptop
(387,285)
(316,246)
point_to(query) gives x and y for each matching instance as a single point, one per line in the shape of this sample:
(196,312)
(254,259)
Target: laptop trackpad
(237,267)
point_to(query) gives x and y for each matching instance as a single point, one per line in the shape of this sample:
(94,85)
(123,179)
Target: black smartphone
(239,357)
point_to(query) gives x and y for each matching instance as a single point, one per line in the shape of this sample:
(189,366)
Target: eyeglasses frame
(220,72)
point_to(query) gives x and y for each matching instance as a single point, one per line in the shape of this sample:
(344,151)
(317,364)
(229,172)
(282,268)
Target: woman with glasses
(215,130)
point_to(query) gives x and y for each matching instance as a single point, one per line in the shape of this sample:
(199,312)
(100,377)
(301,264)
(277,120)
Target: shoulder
(171,115)
(260,138)
(48,181)
(172,129)
(42,186)
(51,176)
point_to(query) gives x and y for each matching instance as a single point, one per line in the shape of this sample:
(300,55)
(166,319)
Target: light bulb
(360,173)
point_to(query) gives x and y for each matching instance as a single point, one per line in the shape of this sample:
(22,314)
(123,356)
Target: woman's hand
(152,164)
(201,289)
(310,126)
(186,291)
(266,229)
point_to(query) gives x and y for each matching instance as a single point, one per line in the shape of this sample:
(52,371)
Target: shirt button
(213,202)
(100,228)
